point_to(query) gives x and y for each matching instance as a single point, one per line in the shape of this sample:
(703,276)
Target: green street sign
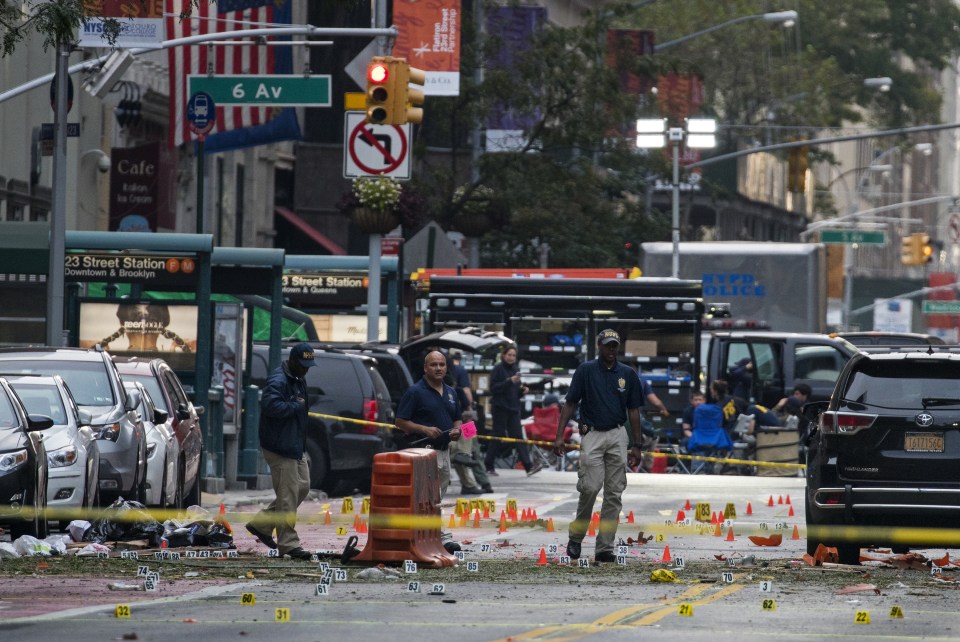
(941,307)
(847,237)
(277,90)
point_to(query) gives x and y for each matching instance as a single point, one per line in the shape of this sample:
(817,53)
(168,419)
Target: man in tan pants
(608,392)
(283,434)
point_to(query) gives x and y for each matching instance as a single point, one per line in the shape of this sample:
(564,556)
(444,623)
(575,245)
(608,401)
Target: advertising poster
(149,329)
(430,40)
(141,180)
(227,335)
(141,23)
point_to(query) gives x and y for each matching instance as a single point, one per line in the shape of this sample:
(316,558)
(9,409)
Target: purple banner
(513,28)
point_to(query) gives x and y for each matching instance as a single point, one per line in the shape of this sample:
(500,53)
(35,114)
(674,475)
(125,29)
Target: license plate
(923,442)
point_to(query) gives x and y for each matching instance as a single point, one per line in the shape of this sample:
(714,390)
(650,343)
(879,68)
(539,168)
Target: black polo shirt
(423,405)
(605,394)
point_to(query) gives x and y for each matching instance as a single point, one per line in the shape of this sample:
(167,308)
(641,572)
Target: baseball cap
(608,336)
(303,352)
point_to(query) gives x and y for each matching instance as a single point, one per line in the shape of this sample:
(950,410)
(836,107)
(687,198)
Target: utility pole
(58,211)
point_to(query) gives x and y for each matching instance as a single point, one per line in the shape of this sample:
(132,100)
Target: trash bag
(219,536)
(125,520)
(28,545)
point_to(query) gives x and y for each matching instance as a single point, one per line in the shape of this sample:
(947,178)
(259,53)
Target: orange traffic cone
(719,531)
(790,514)
(788,499)
(686,506)
(534,517)
(713,518)
(163,542)
(770,501)
(681,516)
(503,522)
(476,518)
(630,518)
(362,527)
(356,522)
(730,535)
(666,555)
(464,518)
(779,499)
(796,532)
(486,510)
(550,528)
(543,557)
(223,509)
(749,509)
(326,518)
(452,524)
(523,515)
(591,531)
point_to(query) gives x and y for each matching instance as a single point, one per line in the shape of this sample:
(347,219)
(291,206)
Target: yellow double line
(630,617)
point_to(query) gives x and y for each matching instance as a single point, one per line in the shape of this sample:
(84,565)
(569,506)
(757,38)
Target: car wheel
(317,461)
(36,526)
(192,497)
(177,503)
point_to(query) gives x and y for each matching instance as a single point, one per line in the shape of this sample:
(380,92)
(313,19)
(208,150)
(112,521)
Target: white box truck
(780,284)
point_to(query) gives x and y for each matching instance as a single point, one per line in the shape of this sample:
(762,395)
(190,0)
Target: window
(818,363)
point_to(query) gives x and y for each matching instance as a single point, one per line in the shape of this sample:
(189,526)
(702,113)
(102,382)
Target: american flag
(224,15)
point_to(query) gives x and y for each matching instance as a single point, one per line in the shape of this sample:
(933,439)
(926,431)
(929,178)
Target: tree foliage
(578,184)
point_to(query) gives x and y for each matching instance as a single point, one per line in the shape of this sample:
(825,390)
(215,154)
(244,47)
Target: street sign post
(275,90)
(941,307)
(848,237)
(202,113)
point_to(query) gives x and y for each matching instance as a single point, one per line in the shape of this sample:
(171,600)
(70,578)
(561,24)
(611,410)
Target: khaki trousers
(603,464)
(291,483)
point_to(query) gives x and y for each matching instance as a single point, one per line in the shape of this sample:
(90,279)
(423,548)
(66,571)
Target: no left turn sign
(373,150)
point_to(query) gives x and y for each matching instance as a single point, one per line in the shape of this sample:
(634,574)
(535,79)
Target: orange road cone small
(476,518)
(453,522)
(796,532)
(630,519)
(486,511)
(719,531)
(543,557)
(356,521)
(524,515)
(591,531)
(464,518)
(163,542)
(503,522)
(713,518)
(686,506)
(730,535)
(223,509)
(534,517)
(788,499)
(550,528)
(780,499)
(749,509)
(362,527)
(327,519)
(681,516)
(770,501)
(790,514)
(666,555)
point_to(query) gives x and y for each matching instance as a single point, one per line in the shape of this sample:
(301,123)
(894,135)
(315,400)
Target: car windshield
(41,399)
(8,417)
(87,379)
(908,384)
(153,388)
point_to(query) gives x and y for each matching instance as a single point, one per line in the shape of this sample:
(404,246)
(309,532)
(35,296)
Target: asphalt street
(727,587)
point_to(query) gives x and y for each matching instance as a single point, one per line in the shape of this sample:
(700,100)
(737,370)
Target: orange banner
(429,39)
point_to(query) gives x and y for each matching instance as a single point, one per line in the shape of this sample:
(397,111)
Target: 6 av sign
(274,90)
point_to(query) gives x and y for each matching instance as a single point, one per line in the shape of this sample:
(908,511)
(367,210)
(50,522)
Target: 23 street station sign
(317,289)
(146,269)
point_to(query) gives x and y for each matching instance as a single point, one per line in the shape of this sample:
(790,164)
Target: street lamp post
(700,134)
(785,18)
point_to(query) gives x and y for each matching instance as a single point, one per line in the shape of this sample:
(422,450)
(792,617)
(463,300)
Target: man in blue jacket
(283,434)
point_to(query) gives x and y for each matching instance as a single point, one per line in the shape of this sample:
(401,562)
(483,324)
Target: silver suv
(103,404)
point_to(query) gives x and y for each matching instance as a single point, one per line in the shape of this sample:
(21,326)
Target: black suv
(885,452)
(342,385)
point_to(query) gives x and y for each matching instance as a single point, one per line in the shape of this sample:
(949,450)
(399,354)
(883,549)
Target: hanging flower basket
(475,218)
(374,221)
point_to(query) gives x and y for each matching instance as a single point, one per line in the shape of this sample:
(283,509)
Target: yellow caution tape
(663,575)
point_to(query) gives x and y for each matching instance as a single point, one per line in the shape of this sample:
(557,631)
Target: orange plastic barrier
(406,484)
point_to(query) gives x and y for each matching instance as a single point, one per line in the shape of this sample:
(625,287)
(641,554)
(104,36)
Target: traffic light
(916,249)
(390,98)
(379,92)
(797,169)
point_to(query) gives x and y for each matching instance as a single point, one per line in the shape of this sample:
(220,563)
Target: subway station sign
(319,289)
(146,269)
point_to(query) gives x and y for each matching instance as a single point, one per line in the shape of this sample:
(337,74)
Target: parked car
(391,366)
(73,452)
(885,452)
(342,385)
(164,485)
(168,394)
(104,405)
(23,467)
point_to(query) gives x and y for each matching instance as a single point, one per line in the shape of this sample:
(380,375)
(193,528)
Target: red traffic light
(377,73)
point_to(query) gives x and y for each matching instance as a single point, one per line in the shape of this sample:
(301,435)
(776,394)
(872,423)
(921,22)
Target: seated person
(697,398)
(708,430)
